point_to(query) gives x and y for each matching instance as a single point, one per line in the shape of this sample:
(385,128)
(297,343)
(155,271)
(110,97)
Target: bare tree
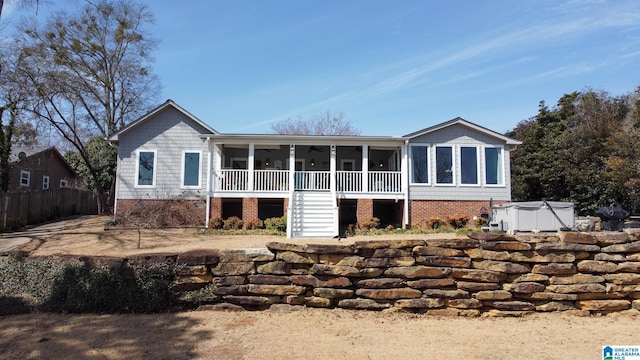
(322,124)
(89,73)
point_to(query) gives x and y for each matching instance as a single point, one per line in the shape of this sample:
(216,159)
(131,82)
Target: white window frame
(46,180)
(155,169)
(429,162)
(453,165)
(25,178)
(182,172)
(478,165)
(502,178)
(64,183)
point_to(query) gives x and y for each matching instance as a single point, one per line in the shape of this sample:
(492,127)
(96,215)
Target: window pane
(469,165)
(420,162)
(444,165)
(145,168)
(493,166)
(191,169)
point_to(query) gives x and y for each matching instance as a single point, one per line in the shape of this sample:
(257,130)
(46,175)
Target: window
(493,166)
(25,178)
(468,165)
(444,165)
(145,169)
(63,183)
(420,164)
(191,169)
(45,182)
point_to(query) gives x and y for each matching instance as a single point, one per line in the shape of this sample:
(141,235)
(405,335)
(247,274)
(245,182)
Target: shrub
(50,284)
(435,222)
(481,221)
(216,223)
(232,223)
(276,223)
(372,223)
(458,221)
(253,224)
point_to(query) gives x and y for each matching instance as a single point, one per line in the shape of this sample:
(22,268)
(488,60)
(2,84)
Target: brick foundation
(420,211)
(364,210)
(249,209)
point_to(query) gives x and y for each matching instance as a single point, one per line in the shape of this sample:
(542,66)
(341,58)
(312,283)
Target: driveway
(11,240)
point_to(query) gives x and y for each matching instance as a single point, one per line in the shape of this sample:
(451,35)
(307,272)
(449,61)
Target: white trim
(25,175)
(502,161)
(478,170)
(46,180)
(183,168)
(155,169)
(453,165)
(410,168)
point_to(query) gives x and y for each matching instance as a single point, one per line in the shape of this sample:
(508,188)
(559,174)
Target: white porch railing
(271,180)
(313,180)
(385,181)
(278,180)
(349,181)
(231,180)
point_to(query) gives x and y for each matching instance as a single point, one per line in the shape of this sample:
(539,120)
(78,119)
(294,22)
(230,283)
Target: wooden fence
(22,208)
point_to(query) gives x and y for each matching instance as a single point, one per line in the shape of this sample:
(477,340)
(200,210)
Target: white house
(319,182)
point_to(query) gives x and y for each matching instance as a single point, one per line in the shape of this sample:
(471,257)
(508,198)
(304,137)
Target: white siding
(169,133)
(456,136)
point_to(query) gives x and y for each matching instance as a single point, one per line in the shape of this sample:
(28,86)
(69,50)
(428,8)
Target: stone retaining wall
(583,273)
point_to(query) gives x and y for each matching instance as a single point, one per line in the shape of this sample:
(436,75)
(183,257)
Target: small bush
(233,223)
(435,223)
(253,225)
(481,221)
(372,223)
(216,223)
(276,223)
(458,221)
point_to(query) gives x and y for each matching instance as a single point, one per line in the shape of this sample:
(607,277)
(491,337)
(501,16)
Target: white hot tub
(532,216)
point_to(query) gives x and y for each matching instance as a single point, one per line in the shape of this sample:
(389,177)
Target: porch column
(365,168)
(404,178)
(250,167)
(292,167)
(332,169)
(208,187)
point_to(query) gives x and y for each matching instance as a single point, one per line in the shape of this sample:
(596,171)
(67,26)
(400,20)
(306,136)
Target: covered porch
(347,170)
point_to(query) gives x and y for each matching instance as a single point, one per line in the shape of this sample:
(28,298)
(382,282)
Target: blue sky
(392,67)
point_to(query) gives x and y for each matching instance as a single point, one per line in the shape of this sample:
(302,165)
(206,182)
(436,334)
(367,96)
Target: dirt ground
(283,332)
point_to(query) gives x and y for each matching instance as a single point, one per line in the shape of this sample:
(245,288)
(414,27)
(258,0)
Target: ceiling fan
(315,148)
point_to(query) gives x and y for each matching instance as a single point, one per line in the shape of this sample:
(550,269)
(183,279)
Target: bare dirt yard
(282,332)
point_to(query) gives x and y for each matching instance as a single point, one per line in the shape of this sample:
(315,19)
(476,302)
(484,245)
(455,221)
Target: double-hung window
(419,164)
(191,169)
(494,174)
(146,168)
(45,182)
(25,178)
(469,165)
(444,165)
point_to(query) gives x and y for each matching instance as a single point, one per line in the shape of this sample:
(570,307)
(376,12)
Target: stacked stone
(582,273)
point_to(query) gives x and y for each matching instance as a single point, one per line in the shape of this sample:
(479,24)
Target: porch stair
(313,215)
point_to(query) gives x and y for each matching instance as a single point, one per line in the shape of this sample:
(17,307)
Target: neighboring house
(39,168)
(319,182)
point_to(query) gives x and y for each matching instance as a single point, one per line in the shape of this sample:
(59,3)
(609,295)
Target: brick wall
(364,210)
(420,211)
(249,209)
(215,207)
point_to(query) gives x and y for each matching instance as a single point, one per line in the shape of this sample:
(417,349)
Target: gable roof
(463,122)
(19,153)
(150,114)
